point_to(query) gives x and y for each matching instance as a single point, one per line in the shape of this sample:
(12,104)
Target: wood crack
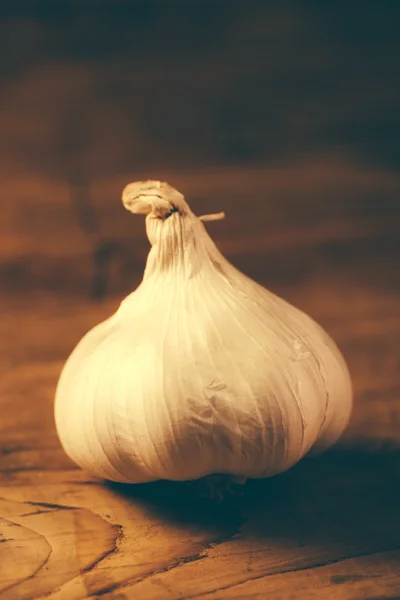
(92,566)
(178,562)
(42,564)
(53,508)
(296,570)
(107,553)
(37,512)
(51,505)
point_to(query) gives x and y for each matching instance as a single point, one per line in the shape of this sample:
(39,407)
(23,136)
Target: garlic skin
(201,370)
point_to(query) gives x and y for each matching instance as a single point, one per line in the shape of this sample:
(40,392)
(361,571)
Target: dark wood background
(286,116)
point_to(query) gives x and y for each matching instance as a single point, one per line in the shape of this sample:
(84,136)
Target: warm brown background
(286,116)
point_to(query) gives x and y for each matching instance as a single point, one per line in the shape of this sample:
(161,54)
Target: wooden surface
(294,147)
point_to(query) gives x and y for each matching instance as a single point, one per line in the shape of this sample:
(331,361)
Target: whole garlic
(201,370)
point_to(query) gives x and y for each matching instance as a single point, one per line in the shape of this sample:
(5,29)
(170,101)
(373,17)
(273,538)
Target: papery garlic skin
(201,370)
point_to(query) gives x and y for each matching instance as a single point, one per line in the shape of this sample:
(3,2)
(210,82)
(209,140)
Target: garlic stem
(213,217)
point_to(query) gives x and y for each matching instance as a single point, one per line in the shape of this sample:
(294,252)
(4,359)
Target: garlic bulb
(201,370)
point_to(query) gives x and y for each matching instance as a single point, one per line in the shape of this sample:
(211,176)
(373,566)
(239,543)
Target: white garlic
(201,370)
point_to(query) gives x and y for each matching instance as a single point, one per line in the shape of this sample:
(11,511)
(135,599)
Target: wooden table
(323,235)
